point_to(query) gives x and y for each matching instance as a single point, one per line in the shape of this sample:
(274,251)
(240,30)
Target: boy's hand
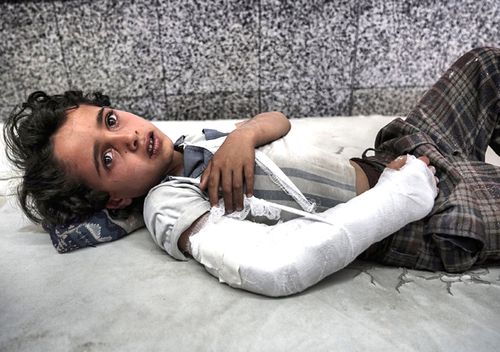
(232,169)
(232,166)
(400,161)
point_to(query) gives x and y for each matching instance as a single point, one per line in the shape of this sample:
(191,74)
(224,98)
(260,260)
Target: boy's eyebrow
(97,145)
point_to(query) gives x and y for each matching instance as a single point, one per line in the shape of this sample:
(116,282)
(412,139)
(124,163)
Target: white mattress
(130,296)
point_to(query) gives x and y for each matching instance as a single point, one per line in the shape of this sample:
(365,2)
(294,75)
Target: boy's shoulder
(202,138)
(172,186)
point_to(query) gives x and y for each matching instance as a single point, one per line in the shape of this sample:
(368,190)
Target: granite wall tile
(210,67)
(400,43)
(210,106)
(150,107)
(30,52)
(306,44)
(210,46)
(112,46)
(6,109)
(241,105)
(224,59)
(307,103)
(205,21)
(386,101)
(470,24)
(201,106)
(409,43)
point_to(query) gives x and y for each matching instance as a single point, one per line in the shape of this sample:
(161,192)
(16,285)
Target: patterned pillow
(99,228)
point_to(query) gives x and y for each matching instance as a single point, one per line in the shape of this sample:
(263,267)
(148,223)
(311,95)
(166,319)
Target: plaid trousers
(452,124)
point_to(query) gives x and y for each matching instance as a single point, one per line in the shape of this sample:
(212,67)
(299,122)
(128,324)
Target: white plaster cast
(289,257)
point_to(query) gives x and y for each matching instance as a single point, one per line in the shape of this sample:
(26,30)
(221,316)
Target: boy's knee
(484,51)
(481,54)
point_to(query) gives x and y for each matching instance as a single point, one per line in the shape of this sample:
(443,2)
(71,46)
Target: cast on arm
(232,166)
(289,257)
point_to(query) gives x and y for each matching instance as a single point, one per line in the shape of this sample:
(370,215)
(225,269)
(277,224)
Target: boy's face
(114,151)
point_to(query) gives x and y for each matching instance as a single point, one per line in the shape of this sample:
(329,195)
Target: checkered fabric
(452,124)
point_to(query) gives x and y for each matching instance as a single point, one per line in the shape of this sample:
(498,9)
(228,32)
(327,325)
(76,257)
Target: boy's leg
(462,110)
(452,124)
(495,139)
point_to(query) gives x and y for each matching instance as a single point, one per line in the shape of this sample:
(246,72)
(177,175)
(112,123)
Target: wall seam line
(259,58)
(354,60)
(63,56)
(162,62)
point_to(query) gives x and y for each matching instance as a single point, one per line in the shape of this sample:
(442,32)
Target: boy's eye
(111,119)
(107,159)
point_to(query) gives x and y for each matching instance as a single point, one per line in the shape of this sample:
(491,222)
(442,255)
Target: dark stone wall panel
(202,59)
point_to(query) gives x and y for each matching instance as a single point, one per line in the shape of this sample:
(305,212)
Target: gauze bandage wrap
(288,257)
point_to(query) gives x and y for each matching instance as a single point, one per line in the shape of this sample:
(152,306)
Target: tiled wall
(186,59)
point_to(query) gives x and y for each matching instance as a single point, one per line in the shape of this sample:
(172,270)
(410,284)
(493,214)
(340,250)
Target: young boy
(94,157)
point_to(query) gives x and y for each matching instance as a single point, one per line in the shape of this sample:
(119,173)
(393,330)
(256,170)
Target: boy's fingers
(213,188)
(205,176)
(238,191)
(227,191)
(400,161)
(424,159)
(397,163)
(249,172)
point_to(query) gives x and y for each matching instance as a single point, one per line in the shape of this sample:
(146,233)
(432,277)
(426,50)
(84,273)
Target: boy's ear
(118,203)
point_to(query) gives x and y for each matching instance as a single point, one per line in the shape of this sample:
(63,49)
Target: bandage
(289,257)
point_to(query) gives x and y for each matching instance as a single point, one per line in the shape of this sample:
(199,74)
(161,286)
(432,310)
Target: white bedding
(130,296)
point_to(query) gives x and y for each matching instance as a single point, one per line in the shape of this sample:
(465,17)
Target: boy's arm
(244,254)
(232,166)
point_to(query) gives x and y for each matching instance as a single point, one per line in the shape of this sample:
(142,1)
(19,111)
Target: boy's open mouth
(152,145)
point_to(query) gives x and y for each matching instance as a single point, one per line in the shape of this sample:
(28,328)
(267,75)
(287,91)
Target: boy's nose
(128,139)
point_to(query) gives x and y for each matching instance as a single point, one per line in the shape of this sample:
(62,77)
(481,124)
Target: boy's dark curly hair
(47,193)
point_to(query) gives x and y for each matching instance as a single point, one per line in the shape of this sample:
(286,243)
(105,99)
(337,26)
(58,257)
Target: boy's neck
(177,166)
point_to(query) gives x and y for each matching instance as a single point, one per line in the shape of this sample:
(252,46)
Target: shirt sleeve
(169,209)
(371,170)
